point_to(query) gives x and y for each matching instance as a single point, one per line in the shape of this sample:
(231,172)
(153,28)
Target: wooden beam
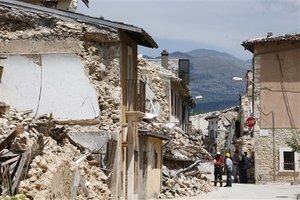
(10,138)
(19,172)
(84,122)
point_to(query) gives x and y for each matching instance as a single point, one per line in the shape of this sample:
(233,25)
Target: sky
(185,25)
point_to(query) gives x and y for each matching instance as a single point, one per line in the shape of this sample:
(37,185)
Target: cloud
(217,24)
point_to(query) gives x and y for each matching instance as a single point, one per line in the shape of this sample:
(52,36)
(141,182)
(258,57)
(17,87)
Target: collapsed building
(80,73)
(183,151)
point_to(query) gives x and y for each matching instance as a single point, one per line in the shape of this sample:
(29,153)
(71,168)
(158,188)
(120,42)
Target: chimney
(270,34)
(165,59)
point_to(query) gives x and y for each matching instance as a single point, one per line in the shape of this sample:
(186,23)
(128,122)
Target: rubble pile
(45,168)
(187,182)
(184,149)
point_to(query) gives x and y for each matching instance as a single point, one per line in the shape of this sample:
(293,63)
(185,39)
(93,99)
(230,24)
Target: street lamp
(198,97)
(237,79)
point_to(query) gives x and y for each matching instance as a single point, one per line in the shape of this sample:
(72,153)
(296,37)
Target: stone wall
(266,151)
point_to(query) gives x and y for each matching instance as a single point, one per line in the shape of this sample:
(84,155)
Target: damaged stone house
(178,98)
(82,71)
(180,149)
(221,130)
(274,102)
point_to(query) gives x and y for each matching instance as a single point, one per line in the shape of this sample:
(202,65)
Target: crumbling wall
(24,32)
(158,80)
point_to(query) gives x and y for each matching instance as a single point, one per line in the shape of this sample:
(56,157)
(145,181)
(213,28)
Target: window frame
(281,159)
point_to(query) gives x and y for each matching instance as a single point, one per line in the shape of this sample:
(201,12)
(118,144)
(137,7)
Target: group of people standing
(235,166)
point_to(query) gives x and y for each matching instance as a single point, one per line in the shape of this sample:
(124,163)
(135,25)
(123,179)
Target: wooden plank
(19,172)
(6,181)
(10,138)
(8,154)
(86,122)
(9,161)
(79,146)
(111,154)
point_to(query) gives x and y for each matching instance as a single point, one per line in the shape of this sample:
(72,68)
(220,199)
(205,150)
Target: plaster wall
(277,84)
(154,173)
(50,83)
(280,88)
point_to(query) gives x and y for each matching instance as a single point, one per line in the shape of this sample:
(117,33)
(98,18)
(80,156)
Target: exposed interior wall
(29,33)
(51,83)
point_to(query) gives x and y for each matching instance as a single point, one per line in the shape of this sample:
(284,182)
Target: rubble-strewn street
(84,115)
(50,168)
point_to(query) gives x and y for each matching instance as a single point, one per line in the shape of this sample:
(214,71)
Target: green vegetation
(15,197)
(294,143)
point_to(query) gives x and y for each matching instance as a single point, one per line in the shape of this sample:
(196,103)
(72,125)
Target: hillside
(211,75)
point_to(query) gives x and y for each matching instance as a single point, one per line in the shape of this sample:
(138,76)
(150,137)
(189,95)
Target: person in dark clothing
(243,166)
(235,161)
(218,169)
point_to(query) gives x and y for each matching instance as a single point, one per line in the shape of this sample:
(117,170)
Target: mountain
(211,75)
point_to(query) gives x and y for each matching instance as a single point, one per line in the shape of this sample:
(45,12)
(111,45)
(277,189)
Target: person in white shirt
(228,163)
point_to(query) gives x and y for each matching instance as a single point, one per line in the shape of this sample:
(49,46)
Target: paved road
(251,191)
(276,191)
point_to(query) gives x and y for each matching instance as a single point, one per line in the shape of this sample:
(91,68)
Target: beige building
(275,105)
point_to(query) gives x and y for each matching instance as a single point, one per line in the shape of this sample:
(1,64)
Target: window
(211,136)
(288,159)
(154,157)
(129,77)
(155,160)
(172,102)
(142,96)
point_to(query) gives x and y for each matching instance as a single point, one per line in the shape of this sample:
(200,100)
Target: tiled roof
(249,44)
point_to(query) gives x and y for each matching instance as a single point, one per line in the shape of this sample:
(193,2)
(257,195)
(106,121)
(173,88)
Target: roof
(249,44)
(141,36)
(213,116)
(181,87)
(155,134)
